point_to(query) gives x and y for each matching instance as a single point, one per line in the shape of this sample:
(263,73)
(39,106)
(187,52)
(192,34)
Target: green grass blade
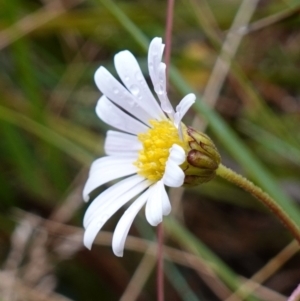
(73,150)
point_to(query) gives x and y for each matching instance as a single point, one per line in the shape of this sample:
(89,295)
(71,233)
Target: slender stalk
(160,263)
(160,233)
(168,36)
(248,186)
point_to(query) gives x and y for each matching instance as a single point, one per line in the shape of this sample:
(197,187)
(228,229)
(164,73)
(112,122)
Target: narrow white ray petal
(106,197)
(166,205)
(157,71)
(132,77)
(177,154)
(104,163)
(155,52)
(183,107)
(118,143)
(101,176)
(161,90)
(117,93)
(113,116)
(124,224)
(161,83)
(154,204)
(174,175)
(104,212)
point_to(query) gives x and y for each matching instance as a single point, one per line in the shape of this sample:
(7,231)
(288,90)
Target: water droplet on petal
(115,90)
(100,223)
(138,76)
(134,90)
(103,219)
(159,89)
(126,78)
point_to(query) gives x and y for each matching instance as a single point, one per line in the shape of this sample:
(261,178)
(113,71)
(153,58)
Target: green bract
(202,159)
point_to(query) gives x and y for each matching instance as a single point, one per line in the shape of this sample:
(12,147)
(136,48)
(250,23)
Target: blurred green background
(222,244)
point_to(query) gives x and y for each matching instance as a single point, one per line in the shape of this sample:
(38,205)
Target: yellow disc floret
(156,143)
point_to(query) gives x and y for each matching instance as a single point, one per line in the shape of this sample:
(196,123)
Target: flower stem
(248,186)
(160,233)
(168,36)
(160,263)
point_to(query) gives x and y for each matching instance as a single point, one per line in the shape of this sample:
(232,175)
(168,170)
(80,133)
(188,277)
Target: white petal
(153,210)
(157,71)
(107,169)
(183,107)
(174,175)
(155,52)
(118,143)
(161,90)
(125,223)
(132,77)
(113,90)
(104,163)
(108,196)
(113,116)
(166,205)
(177,154)
(105,211)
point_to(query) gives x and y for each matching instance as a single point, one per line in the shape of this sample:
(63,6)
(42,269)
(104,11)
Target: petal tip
(98,73)
(118,253)
(156,40)
(86,198)
(87,244)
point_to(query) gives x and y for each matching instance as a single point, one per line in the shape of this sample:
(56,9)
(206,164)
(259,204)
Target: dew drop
(103,219)
(134,90)
(100,223)
(116,91)
(159,90)
(138,76)
(126,78)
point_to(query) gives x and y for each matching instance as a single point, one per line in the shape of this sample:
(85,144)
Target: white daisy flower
(146,152)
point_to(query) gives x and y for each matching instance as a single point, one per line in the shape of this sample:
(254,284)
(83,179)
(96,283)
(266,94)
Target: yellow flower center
(156,143)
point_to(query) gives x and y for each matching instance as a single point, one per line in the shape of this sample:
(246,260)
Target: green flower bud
(202,159)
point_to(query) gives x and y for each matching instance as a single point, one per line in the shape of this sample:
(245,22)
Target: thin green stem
(248,186)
